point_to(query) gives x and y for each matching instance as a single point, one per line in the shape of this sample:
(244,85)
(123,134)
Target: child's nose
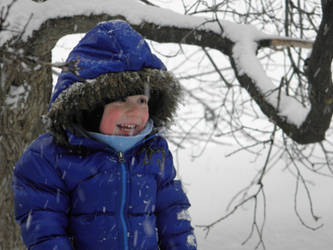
(132,109)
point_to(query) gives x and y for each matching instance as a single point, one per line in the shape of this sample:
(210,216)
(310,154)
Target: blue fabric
(109,47)
(123,143)
(59,195)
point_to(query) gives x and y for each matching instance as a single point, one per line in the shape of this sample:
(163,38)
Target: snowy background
(212,180)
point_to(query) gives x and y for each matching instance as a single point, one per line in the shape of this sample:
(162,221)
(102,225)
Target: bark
(20,122)
(320,77)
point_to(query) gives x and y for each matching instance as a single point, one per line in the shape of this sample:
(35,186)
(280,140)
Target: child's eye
(143,100)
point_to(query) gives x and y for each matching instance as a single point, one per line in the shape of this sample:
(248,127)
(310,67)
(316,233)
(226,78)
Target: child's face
(127,117)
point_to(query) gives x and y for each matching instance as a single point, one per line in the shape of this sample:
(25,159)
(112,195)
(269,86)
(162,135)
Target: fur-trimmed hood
(110,62)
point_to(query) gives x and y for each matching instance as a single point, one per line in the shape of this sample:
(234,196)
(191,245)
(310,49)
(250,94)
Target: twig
(216,68)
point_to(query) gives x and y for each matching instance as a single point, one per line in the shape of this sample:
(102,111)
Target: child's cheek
(108,122)
(146,115)
(144,118)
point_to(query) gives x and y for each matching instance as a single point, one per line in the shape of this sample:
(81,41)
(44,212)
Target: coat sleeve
(173,220)
(41,203)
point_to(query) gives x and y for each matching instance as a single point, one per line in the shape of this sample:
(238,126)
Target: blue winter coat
(100,198)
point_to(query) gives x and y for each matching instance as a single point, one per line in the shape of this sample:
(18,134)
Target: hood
(110,62)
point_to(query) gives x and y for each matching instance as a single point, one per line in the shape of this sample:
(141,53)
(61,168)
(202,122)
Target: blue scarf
(123,143)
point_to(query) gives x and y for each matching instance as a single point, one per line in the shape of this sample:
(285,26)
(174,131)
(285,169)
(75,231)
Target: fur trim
(66,112)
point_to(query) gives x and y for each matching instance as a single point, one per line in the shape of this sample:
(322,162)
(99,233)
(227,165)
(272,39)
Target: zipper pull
(121,157)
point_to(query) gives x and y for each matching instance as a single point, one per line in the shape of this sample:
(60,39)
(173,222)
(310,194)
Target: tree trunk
(25,93)
(24,99)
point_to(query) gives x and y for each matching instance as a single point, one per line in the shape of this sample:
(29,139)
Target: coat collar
(86,141)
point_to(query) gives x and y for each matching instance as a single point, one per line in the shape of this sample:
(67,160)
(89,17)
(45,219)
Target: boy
(103,177)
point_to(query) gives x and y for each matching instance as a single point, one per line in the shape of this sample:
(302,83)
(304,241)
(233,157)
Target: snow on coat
(73,192)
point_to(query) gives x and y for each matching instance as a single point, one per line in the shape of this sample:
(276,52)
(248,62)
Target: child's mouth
(127,129)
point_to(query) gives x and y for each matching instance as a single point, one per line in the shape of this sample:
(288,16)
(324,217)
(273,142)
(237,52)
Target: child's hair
(112,62)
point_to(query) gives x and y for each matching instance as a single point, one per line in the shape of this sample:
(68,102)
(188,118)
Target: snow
(28,224)
(183,215)
(244,53)
(21,12)
(245,37)
(191,240)
(17,95)
(148,228)
(212,181)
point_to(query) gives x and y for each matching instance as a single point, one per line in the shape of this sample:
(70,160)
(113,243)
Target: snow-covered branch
(239,42)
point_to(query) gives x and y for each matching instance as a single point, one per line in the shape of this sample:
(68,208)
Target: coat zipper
(123,198)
